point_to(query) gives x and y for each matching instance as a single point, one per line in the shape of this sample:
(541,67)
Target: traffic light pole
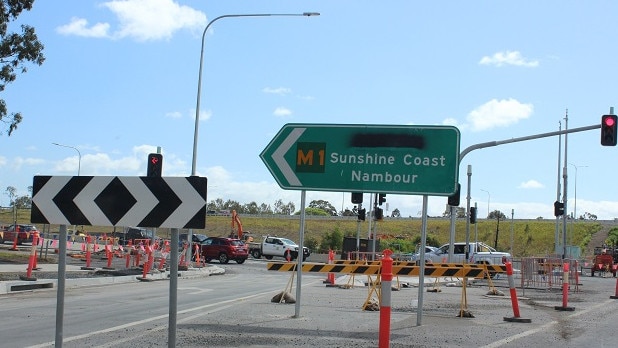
(530,137)
(514,140)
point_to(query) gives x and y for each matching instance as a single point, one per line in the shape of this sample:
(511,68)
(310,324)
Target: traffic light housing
(381,198)
(472,215)
(558,208)
(379,214)
(357,197)
(155,165)
(609,130)
(453,200)
(361,214)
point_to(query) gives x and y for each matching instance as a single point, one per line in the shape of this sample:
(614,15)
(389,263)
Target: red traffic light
(609,121)
(155,164)
(609,130)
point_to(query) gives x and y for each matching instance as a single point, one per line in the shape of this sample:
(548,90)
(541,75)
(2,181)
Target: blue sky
(120,79)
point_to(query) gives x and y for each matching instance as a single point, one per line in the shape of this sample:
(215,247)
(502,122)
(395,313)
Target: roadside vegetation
(530,237)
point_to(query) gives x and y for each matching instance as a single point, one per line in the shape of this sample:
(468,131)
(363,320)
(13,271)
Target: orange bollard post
(565,289)
(15,234)
(386,275)
(36,243)
(147,263)
(31,261)
(88,254)
(128,260)
(330,278)
(162,263)
(110,257)
(516,318)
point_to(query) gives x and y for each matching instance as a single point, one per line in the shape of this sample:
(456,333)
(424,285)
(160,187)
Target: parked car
(480,253)
(24,233)
(224,249)
(430,253)
(198,239)
(134,233)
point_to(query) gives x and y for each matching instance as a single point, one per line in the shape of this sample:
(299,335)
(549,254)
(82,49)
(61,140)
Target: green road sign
(365,158)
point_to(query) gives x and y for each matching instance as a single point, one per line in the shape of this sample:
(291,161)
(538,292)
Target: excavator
(237,231)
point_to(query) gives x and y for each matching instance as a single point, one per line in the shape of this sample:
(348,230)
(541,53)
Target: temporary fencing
(547,273)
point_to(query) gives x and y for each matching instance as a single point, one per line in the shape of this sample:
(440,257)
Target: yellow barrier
(432,270)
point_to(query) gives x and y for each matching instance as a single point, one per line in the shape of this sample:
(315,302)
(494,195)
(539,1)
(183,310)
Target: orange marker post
(385,304)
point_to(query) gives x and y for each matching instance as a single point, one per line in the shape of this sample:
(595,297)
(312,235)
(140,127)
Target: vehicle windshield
(200,238)
(287,241)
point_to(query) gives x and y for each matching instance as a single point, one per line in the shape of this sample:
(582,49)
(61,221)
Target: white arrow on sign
(85,203)
(282,150)
(47,194)
(192,202)
(144,205)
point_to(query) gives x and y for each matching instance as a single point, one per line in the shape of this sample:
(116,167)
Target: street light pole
(488,197)
(199,91)
(79,156)
(199,78)
(575,195)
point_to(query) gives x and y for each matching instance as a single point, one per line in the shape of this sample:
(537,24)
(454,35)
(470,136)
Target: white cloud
(79,27)
(18,162)
(204,114)
(2,161)
(173,114)
(531,184)
(279,90)
(142,20)
(282,112)
(508,58)
(498,113)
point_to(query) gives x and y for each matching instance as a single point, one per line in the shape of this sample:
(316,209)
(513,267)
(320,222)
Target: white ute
(480,253)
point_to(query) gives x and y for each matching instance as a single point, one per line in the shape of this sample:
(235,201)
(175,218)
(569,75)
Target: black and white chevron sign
(174,202)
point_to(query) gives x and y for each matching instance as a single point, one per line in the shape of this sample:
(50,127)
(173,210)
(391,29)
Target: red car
(224,249)
(24,234)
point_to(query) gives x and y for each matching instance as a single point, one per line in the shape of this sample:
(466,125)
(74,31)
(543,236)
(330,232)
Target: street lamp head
(309,14)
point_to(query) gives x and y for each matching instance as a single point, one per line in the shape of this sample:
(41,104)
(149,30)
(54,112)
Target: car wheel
(223,258)
(240,261)
(268,257)
(256,254)
(207,259)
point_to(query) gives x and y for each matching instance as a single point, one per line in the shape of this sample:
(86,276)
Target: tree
(12,192)
(396,213)
(251,208)
(496,214)
(284,209)
(314,211)
(22,202)
(324,205)
(15,50)
(332,240)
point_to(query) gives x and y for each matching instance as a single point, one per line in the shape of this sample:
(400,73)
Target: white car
(479,253)
(430,251)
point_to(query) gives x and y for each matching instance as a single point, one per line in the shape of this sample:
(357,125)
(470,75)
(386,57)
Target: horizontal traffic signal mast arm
(530,137)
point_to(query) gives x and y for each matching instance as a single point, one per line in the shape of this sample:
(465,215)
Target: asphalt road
(235,310)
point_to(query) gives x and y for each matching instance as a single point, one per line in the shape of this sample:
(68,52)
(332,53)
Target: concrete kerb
(12,286)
